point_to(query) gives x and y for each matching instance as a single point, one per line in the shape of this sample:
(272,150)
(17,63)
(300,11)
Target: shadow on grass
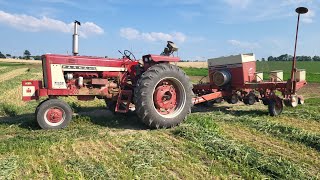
(101,117)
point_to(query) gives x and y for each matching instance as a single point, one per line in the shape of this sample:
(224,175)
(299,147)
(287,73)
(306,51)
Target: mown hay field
(223,141)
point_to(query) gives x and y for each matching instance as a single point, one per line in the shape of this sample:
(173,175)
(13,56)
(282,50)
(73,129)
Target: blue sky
(201,28)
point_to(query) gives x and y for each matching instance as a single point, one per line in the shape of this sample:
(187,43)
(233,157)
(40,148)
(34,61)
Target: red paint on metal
(32,83)
(107,74)
(124,99)
(158,58)
(54,115)
(165,97)
(89,61)
(240,73)
(208,97)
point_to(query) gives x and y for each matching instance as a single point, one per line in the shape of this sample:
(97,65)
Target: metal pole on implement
(300,10)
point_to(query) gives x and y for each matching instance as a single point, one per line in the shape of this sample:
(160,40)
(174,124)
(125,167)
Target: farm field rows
(222,141)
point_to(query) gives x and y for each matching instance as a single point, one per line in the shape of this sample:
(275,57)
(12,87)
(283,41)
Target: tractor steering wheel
(128,54)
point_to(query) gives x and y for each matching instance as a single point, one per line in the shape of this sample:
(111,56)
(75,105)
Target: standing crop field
(312,68)
(223,141)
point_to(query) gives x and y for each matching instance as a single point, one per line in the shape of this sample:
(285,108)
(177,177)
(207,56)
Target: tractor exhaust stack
(75,40)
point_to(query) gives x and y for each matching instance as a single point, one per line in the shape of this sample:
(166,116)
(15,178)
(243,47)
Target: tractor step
(124,100)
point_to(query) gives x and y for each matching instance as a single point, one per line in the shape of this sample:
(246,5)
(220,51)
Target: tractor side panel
(240,73)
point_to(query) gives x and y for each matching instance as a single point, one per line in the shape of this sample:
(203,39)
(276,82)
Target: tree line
(26,55)
(286,57)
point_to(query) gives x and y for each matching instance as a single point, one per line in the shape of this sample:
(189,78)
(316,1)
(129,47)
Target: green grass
(312,68)
(121,147)
(11,64)
(196,71)
(246,160)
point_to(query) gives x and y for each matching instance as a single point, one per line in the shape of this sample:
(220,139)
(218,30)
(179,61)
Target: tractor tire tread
(149,116)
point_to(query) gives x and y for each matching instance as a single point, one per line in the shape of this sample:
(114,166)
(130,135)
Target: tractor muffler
(75,42)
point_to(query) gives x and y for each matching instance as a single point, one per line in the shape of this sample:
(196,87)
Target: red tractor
(161,92)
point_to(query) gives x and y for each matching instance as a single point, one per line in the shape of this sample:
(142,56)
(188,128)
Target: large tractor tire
(163,96)
(53,114)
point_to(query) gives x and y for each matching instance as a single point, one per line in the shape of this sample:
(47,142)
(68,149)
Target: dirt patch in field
(192,64)
(12,74)
(312,90)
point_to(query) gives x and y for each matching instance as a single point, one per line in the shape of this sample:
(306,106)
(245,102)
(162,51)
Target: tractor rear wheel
(53,114)
(163,96)
(275,107)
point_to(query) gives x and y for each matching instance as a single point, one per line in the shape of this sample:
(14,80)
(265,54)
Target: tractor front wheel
(53,114)
(163,96)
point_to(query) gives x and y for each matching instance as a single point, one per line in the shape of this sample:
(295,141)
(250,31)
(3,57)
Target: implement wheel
(163,96)
(250,99)
(234,99)
(53,114)
(275,107)
(301,100)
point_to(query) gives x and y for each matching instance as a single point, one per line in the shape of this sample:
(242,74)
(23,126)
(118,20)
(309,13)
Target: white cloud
(33,24)
(243,44)
(129,33)
(238,3)
(266,10)
(133,34)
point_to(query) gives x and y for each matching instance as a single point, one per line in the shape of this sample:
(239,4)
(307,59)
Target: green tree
(2,55)
(316,58)
(304,58)
(263,59)
(284,57)
(27,54)
(8,55)
(37,57)
(270,58)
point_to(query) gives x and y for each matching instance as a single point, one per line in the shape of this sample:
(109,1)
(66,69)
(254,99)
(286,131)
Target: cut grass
(98,146)
(247,160)
(269,145)
(11,64)
(259,123)
(12,74)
